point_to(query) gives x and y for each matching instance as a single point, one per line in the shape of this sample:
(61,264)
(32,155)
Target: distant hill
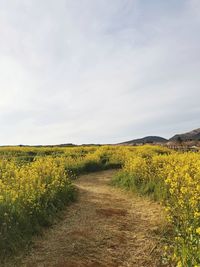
(146,140)
(189,136)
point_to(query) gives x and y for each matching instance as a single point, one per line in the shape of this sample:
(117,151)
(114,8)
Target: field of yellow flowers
(174,179)
(35,183)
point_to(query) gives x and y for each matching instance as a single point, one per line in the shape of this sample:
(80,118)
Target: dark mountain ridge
(193,135)
(146,140)
(188,137)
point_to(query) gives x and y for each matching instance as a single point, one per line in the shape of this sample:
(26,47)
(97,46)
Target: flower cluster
(174,179)
(36,182)
(29,196)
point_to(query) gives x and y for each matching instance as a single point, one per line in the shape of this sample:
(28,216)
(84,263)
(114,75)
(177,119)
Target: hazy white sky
(98,71)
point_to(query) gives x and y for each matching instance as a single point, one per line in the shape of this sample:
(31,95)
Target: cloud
(98,71)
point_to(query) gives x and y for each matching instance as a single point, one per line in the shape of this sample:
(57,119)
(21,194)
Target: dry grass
(106,227)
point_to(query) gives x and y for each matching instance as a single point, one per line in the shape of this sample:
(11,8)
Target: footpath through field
(106,227)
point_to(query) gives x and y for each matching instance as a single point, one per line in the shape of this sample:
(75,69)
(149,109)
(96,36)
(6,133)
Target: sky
(98,71)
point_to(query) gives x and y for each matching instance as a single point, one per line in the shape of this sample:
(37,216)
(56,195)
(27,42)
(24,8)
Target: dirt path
(104,228)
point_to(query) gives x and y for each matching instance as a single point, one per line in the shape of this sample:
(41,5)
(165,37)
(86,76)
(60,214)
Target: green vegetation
(173,179)
(35,183)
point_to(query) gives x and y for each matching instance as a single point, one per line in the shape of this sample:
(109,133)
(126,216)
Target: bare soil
(106,227)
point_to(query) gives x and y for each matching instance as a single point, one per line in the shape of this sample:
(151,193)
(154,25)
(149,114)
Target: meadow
(174,180)
(37,182)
